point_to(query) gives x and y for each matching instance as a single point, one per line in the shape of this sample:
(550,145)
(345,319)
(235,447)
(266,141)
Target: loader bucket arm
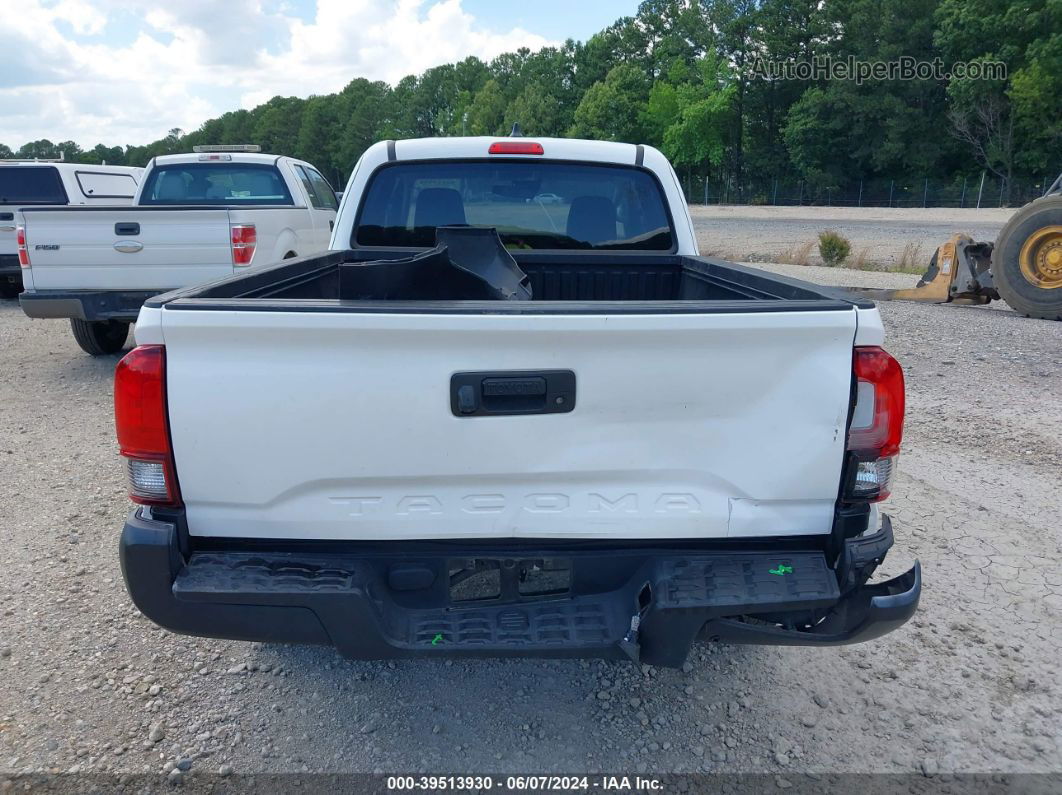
(959,270)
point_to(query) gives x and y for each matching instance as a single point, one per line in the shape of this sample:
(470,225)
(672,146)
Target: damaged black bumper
(390,601)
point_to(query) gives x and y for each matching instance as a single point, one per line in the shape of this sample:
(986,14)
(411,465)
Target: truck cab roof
(481,146)
(65,167)
(260,158)
(509,150)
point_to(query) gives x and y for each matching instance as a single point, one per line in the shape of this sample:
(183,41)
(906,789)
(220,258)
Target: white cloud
(195,59)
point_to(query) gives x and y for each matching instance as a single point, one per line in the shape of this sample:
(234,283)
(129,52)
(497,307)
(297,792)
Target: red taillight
(877,422)
(142,427)
(515,148)
(23,252)
(244,240)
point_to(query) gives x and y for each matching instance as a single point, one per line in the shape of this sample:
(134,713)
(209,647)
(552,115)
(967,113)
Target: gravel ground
(881,235)
(970,684)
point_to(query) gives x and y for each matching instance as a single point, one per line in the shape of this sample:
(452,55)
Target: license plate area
(474,581)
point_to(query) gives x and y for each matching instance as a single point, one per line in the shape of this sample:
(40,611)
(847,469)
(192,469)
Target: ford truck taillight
(877,423)
(244,239)
(23,252)
(142,426)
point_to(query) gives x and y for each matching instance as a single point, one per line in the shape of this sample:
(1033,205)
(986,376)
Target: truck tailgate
(81,249)
(338,425)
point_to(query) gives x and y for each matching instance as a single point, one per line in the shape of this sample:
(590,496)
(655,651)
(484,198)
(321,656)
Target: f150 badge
(46,247)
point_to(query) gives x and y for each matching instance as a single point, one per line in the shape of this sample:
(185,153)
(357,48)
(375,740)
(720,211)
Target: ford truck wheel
(100,337)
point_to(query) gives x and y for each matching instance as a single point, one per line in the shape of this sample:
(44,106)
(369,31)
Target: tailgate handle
(510,392)
(127,228)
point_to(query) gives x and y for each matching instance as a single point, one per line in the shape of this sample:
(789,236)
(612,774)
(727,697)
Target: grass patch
(911,259)
(797,255)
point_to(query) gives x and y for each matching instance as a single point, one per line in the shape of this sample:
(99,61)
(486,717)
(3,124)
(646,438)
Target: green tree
(821,139)
(788,32)
(1012,121)
(486,113)
(364,117)
(704,111)
(538,112)
(318,134)
(839,131)
(42,149)
(277,125)
(680,74)
(612,110)
(101,154)
(736,23)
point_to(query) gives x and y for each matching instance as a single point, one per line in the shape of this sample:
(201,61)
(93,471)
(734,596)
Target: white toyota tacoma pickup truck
(196,217)
(54,183)
(485,424)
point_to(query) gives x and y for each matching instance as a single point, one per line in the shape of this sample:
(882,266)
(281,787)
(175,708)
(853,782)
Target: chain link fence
(980,191)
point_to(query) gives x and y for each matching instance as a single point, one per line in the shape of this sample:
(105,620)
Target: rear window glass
(31,185)
(215,183)
(543,205)
(100,185)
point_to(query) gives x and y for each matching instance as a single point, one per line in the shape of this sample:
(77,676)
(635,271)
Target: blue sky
(554,19)
(126,71)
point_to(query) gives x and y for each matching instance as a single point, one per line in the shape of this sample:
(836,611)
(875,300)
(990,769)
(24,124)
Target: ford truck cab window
(210,183)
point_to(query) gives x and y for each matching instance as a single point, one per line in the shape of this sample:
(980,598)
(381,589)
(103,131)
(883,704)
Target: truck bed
(583,282)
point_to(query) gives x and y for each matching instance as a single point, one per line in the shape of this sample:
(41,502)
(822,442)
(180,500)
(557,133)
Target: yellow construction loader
(1023,267)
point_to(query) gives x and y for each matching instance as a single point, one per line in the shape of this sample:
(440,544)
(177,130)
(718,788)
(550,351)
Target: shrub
(833,248)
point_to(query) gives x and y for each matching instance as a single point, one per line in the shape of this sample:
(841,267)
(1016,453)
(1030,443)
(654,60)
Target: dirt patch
(880,237)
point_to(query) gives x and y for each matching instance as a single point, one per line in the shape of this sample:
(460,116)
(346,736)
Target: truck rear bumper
(648,605)
(85,304)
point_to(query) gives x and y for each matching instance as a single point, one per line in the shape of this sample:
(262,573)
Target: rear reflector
(23,252)
(877,423)
(515,148)
(244,240)
(142,427)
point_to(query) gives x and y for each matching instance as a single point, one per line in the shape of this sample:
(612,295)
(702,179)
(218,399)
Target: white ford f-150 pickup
(487,424)
(196,217)
(53,183)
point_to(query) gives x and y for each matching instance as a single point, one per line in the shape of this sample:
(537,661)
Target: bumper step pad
(638,603)
(691,589)
(744,583)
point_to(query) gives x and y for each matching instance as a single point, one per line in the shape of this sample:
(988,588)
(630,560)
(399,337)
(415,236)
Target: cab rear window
(215,183)
(540,205)
(31,185)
